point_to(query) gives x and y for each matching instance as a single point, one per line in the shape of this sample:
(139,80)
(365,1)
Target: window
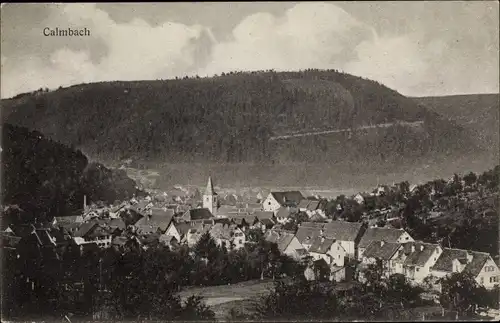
(482,280)
(240,241)
(494,279)
(269,203)
(418,269)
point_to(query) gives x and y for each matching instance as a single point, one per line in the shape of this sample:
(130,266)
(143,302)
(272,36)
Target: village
(297,224)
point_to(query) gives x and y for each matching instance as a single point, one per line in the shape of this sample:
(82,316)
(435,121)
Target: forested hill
(43,178)
(479,113)
(230,118)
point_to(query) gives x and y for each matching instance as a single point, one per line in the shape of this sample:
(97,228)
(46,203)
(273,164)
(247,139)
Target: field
(238,296)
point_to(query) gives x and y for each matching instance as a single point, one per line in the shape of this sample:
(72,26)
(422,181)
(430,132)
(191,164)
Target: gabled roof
(381,250)
(264,215)
(303,204)
(445,261)
(43,237)
(183,228)
(117,223)
(423,252)
(267,222)
(9,240)
(85,228)
(283,213)
(200,214)
(313,205)
(99,231)
(239,218)
(321,245)
(282,239)
(289,196)
(343,230)
(63,220)
(379,234)
(308,232)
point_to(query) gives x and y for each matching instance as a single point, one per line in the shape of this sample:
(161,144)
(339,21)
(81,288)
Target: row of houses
(340,244)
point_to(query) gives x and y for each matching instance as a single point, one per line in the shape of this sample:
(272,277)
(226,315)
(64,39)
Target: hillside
(229,119)
(479,113)
(45,178)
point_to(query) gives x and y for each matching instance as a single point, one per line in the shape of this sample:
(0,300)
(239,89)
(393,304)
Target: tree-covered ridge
(230,118)
(45,178)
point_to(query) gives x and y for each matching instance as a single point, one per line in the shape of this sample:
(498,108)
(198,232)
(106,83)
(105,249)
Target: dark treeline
(130,282)
(378,298)
(45,178)
(230,118)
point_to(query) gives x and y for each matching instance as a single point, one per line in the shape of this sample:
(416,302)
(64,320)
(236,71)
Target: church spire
(210,187)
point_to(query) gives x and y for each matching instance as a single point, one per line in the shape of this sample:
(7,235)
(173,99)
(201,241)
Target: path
(324,132)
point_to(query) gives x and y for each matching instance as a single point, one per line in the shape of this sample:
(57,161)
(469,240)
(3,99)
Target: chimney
(84,202)
(412,248)
(382,243)
(322,239)
(321,232)
(421,247)
(469,257)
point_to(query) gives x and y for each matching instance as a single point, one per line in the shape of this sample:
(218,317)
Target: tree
(298,300)
(206,248)
(460,292)
(470,179)
(401,291)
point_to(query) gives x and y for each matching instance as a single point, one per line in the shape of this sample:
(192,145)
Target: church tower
(210,200)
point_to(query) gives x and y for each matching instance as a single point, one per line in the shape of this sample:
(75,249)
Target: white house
(479,264)
(287,243)
(275,200)
(329,250)
(415,260)
(347,233)
(172,231)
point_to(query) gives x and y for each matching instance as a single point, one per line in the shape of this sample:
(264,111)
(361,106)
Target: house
(156,220)
(329,250)
(382,234)
(39,242)
(347,233)
(265,220)
(307,232)
(62,221)
(287,243)
(359,198)
(93,232)
(197,215)
(415,260)
(479,264)
(142,206)
(275,200)
(382,251)
(302,206)
(243,221)
(283,215)
(229,236)
(168,240)
(171,231)
(116,224)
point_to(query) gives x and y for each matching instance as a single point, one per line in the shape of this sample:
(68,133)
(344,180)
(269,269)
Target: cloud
(308,35)
(135,51)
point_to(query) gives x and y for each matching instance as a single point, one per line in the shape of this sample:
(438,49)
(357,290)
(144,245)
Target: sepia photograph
(333,161)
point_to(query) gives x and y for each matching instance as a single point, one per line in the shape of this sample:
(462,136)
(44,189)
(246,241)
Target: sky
(416,48)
